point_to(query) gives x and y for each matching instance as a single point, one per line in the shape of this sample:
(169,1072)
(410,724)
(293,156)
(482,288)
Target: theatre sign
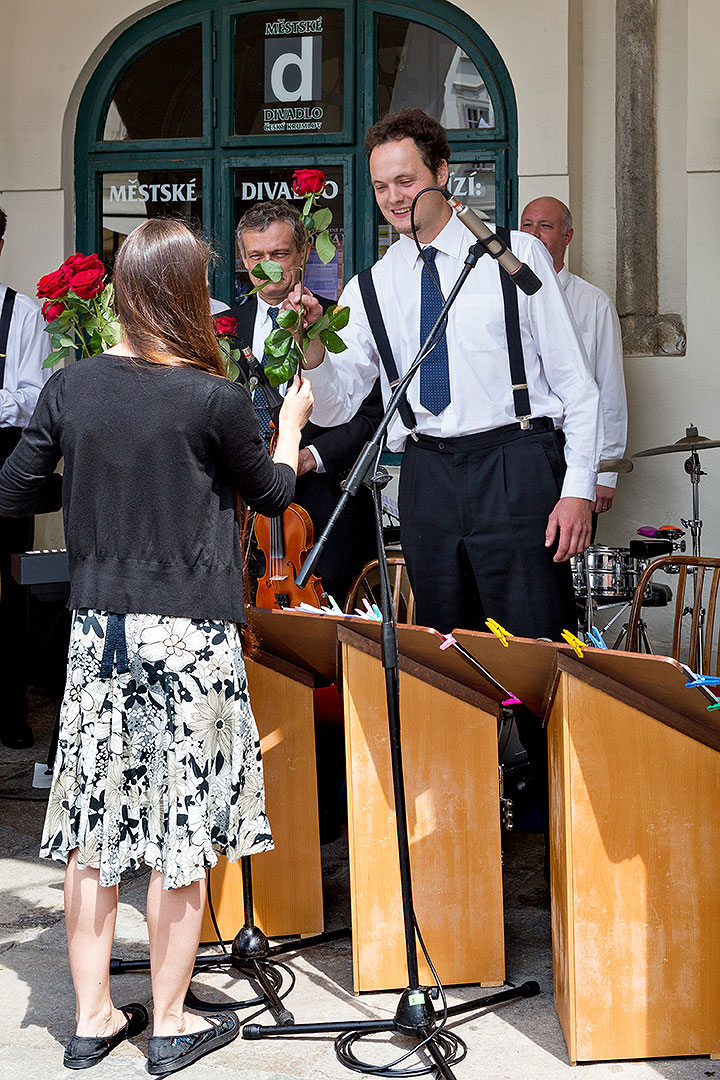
(301,60)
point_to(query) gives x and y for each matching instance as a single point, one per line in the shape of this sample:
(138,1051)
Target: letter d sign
(293,69)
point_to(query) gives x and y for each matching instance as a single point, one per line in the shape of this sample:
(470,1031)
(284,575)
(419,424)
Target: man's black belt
(484,439)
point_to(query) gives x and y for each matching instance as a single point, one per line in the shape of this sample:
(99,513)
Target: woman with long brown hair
(158,761)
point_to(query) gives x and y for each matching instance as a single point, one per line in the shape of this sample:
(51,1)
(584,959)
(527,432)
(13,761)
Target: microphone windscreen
(526,280)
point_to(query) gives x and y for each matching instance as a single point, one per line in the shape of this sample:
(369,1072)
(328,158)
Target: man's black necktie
(435,370)
(260,400)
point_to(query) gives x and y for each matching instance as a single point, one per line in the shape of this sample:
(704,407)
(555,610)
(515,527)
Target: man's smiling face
(398,172)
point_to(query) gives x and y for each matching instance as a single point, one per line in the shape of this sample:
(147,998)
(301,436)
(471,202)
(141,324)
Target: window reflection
(289,72)
(160,95)
(421,68)
(129,198)
(472,182)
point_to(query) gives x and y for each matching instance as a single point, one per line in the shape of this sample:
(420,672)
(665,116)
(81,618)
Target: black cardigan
(153,458)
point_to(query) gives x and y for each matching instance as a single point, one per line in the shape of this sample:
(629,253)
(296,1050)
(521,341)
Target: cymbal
(616,464)
(692,441)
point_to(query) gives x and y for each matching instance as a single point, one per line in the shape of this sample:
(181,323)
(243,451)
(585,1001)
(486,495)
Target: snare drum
(611,572)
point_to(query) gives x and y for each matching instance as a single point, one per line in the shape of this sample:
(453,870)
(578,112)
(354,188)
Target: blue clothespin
(596,638)
(704,680)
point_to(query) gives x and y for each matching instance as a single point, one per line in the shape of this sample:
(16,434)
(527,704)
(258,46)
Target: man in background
(274,231)
(23,348)
(551,221)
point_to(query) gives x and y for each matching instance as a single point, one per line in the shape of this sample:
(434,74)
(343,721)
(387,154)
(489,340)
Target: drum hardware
(693,442)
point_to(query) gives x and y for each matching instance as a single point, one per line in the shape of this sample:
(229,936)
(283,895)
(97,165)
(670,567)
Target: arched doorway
(203,108)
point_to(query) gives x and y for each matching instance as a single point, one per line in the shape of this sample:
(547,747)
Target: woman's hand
(297,405)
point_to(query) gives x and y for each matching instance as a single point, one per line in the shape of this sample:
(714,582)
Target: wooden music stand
(634,781)
(449,744)
(287,885)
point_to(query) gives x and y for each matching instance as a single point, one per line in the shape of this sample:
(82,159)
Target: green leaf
(309,222)
(278,343)
(64,340)
(55,357)
(316,328)
(281,370)
(308,205)
(322,218)
(338,316)
(232,369)
(324,247)
(267,270)
(112,333)
(288,319)
(332,341)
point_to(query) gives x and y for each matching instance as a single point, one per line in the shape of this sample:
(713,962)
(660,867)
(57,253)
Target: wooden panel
(451,775)
(642,858)
(563,942)
(287,887)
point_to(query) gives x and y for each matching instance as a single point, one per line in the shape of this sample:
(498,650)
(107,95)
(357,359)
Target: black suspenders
(5,317)
(518,377)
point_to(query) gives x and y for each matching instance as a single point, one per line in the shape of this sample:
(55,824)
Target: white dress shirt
(559,382)
(599,328)
(263,326)
(27,347)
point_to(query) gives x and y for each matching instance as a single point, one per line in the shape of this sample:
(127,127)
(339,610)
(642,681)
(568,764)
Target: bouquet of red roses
(78,308)
(285,347)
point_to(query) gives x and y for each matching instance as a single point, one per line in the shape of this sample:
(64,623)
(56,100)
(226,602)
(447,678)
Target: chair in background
(700,604)
(367,586)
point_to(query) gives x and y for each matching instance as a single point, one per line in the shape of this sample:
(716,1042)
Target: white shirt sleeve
(28,345)
(610,377)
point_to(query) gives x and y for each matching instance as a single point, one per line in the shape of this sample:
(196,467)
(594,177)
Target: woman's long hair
(161,295)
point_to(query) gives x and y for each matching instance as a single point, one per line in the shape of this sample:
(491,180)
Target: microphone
(519,272)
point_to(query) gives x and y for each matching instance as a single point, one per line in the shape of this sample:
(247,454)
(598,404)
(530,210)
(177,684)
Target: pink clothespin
(447,641)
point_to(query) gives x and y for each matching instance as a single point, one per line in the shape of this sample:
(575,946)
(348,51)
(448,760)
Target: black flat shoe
(168,1053)
(83,1052)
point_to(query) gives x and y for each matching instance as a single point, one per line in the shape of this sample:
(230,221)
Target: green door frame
(218,151)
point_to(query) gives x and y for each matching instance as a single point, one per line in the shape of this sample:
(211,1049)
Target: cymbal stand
(694,524)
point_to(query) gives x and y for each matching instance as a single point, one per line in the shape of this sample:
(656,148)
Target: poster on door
(299,58)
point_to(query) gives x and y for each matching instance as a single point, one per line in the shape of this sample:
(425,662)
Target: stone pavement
(519,1039)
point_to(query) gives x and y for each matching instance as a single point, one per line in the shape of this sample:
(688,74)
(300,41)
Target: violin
(284,542)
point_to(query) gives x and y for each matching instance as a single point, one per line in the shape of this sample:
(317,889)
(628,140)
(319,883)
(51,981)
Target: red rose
(225,326)
(88,283)
(78,262)
(51,311)
(308,181)
(53,285)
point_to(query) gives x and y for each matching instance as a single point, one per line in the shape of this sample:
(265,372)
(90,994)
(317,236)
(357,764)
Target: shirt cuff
(579,484)
(607,479)
(319,467)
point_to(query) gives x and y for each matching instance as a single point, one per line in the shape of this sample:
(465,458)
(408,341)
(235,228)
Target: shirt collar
(564,276)
(451,240)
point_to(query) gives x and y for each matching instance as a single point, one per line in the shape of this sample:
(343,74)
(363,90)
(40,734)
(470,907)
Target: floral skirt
(158,760)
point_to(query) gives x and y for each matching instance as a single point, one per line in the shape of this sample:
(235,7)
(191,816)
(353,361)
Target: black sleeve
(28,481)
(241,455)
(339,446)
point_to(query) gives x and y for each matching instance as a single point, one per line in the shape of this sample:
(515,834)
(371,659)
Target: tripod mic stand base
(415,1016)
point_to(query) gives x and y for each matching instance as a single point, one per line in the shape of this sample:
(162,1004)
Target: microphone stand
(415,1015)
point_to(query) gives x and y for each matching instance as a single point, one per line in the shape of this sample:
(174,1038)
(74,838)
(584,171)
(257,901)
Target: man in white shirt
(490,512)
(551,221)
(22,378)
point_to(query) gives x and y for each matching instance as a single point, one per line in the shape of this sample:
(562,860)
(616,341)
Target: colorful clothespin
(577,645)
(499,631)
(447,641)
(333,606)
(704,680)
(715,705)
(596,638)
(371,611)
(512,700)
